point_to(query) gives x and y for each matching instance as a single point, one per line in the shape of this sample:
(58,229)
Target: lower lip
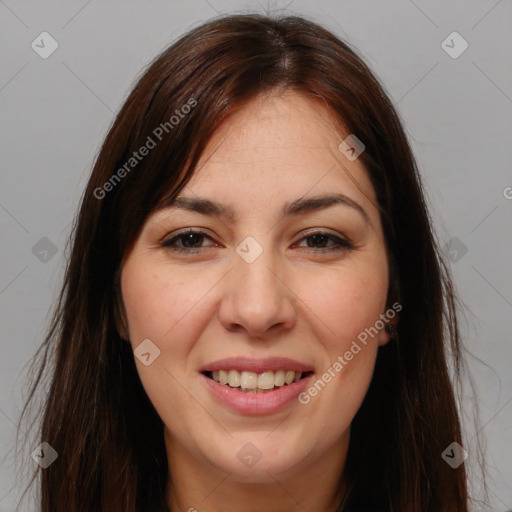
(257,403)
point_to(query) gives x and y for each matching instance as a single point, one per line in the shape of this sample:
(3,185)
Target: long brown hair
(96,414)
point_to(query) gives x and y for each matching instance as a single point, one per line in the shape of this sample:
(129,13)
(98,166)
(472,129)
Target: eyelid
(166,242)
(341,242)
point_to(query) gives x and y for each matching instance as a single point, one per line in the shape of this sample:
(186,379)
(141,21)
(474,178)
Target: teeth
(233,378)
(223,377)
(266,380)
(279,378)
(253,382)
(248,380)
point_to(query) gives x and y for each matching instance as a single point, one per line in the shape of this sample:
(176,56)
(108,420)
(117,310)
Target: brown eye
(190,242)
(320,239)
(187,239)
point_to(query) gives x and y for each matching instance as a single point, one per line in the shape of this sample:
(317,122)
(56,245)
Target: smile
(252,382)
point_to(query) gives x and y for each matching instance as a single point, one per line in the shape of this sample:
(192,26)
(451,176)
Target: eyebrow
(298,207)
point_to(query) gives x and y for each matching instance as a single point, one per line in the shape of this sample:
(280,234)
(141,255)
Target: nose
(257,299)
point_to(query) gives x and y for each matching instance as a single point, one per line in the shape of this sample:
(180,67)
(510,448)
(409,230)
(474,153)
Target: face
(280,284)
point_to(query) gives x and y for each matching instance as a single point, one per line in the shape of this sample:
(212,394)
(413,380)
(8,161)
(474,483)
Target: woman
(298,359)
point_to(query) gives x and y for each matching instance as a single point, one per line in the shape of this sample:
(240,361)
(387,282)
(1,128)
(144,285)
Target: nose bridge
(253,269)
(257,300)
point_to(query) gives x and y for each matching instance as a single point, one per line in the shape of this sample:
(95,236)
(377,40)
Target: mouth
(256,387)
(256,383)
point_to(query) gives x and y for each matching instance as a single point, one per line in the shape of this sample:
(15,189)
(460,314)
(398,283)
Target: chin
(258,461)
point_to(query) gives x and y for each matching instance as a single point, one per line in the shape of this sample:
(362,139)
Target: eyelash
(341,243)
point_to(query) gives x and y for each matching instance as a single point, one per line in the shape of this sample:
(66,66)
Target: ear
(388,332)
(393,306)
(390,318)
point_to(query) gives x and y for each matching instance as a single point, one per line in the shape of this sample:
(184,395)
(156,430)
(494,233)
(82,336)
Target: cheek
(165,305)
(156,302)
(345,306)
(156,311)
(157,307)
(345,303)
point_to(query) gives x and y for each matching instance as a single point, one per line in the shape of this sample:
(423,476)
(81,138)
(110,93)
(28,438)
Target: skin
(291,301)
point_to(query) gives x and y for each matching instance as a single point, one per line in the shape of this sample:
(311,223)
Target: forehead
(278,128)
(275,149)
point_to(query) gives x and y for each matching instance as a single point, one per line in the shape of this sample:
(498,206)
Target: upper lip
(256,365)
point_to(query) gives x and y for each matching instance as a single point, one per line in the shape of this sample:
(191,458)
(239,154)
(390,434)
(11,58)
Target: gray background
(457,112)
